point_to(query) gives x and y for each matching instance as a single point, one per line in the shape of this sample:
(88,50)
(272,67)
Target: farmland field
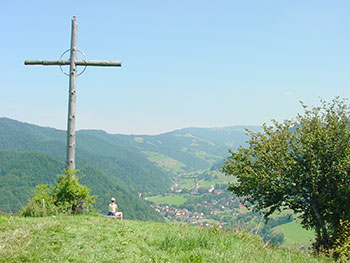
(295,235)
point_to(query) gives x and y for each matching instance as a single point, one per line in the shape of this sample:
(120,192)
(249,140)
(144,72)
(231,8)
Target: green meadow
(164,161)
(97,239)
(295,235)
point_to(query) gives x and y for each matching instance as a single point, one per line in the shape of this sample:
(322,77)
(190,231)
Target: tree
(301,164)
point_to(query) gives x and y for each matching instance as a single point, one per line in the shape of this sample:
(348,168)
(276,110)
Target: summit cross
(73,62)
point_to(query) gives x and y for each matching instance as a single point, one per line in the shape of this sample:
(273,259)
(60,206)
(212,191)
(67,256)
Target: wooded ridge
(123,166)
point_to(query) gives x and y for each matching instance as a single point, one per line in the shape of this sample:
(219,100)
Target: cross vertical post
(73,62)
(72,99)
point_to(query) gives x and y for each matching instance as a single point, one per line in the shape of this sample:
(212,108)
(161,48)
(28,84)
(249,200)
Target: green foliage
(20,172)
(270,237)
(119,159)
(70,195)
(96,239)
(115,157)
(42,203)
(341,249)
(301,164)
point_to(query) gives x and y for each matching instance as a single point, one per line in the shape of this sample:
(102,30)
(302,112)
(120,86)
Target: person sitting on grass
(113,208)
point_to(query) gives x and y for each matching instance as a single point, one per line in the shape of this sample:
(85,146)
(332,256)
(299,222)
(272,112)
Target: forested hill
(118,171)
(114,164)
(21,171)
(127,165)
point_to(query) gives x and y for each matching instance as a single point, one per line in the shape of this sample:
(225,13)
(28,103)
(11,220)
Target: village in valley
(200,200)
(215,208)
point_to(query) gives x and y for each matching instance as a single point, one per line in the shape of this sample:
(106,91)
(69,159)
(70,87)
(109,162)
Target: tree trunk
(324,240)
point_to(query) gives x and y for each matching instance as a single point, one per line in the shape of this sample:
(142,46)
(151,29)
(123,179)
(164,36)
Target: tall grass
(95,239)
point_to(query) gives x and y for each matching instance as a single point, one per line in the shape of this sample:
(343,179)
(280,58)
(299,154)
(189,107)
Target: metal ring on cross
(85,58)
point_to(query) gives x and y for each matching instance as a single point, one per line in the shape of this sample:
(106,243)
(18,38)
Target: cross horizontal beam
(62,62)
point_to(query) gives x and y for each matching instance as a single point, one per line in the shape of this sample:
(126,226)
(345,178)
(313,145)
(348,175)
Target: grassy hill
(96,239)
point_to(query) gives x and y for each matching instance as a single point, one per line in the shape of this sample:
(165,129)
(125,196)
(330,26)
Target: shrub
(342,245)
(42,203)
(70,195)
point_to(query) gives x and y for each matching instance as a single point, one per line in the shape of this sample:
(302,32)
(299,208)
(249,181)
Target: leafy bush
(270,237)
(342,245)
(68,196)
(42,203)
(71,196)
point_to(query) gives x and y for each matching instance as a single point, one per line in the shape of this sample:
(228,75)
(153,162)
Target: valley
(202,198)
(168,177)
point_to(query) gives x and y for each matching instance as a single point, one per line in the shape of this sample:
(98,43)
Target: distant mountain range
(124,166)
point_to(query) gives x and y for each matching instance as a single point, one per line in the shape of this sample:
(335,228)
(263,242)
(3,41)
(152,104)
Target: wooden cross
(73,62)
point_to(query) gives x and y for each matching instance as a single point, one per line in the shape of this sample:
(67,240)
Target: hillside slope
(21,171)
(231,137)
(111,171)
(190,149)
(96,239)
(130,167)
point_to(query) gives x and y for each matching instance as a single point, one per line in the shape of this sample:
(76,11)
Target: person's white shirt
(113,208)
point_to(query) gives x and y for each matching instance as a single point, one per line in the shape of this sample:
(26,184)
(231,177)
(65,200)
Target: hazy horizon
(135,134)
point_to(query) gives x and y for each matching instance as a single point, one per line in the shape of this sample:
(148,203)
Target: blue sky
(185,63)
